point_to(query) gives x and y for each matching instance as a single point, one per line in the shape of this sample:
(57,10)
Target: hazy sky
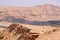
(28,2)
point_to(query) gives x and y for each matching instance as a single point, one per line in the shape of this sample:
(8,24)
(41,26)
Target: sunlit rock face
(18,32)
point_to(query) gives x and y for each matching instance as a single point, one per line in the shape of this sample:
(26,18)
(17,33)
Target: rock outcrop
(18,32)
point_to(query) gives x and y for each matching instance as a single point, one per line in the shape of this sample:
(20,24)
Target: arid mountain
(24,14)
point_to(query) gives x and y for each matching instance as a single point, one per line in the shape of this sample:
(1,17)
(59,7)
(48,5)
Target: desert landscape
(30,23)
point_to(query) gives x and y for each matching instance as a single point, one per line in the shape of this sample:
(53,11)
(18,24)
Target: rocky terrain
(29,32)
(38,23)
(17,32)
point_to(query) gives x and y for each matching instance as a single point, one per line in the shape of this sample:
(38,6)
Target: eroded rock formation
(18,32)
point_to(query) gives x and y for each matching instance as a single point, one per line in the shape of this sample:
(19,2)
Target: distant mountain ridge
(37,13)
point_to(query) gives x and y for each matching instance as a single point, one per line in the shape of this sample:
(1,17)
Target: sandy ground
(45,32)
